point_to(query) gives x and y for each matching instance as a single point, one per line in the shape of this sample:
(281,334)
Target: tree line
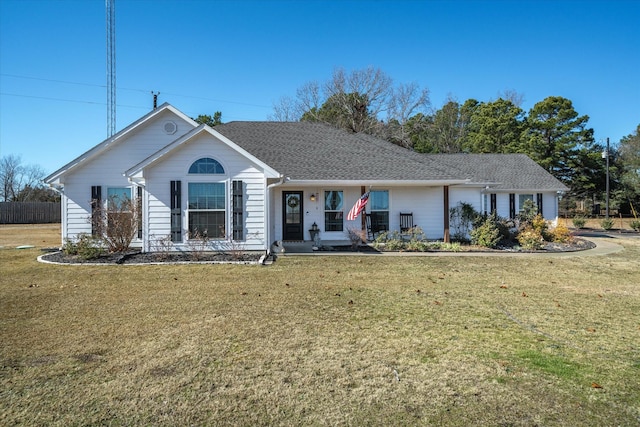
(552,132)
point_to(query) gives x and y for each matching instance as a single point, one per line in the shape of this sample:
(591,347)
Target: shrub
(606,224)
(635,224)
(528,213)
(561,234)
(539,224)
(462,218)
(116,221)
(579,221)
(417,234)
(530,239)
(356,237)
(451,247)
(86,247)
(488,233)
(418,246)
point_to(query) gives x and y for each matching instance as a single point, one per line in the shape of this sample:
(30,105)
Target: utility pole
(111,67)
(607,214)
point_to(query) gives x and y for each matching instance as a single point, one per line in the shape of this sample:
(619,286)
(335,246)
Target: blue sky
(240,57)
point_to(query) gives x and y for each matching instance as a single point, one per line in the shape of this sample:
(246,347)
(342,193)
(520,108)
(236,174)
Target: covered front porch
(302,214)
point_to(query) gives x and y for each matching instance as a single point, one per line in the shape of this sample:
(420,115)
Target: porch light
(313,197)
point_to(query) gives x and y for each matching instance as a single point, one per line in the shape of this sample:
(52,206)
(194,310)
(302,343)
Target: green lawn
(320,340)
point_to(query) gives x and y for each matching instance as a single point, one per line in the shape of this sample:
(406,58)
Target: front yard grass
(321,340)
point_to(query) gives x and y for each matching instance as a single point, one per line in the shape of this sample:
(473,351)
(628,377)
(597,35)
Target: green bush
(606,224)
(528,213)
(530,239)
(579,221)
(86,247)
(389,241)
(635,224)
(488,233)
(417,246)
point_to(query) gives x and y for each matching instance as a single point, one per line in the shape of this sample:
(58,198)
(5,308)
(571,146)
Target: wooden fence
(29,212)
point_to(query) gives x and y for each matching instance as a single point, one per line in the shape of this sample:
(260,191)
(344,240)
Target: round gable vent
(170,128)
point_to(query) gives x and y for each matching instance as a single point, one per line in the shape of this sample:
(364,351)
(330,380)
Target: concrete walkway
(605,245)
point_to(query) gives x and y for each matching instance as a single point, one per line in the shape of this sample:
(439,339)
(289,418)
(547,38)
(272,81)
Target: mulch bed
(254,257)
(156,258)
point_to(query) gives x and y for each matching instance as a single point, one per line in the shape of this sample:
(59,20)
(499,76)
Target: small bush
(488,233)
(417,246)
(86,247)
(451,247)
(69,247)
(356,237)
(539,224)
(528,213)
(635,224)
(606,224)
(394,245)
(416,233)
(530,239)
(561,234)
(579,221)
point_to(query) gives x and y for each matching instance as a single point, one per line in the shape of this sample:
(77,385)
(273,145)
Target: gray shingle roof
(508,171)
(316,151)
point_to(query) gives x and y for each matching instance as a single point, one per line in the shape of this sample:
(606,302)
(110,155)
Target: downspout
(267,225)
(447,237)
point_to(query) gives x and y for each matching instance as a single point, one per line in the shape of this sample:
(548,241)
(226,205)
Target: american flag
(358,207)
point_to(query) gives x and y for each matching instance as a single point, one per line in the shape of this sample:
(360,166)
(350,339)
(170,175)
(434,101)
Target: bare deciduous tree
(20,183)
(361,101)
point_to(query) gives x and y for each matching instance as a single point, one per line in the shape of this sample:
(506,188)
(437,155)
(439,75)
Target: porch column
(363,219)
(447,238)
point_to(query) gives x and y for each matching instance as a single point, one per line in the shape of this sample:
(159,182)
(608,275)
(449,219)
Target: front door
(292,215)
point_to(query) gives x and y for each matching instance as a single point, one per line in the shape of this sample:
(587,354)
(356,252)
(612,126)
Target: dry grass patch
(323,341)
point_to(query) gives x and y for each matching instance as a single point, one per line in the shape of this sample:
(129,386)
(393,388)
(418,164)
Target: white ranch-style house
(249,184)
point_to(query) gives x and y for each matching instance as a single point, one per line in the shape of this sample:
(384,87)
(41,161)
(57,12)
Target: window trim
(337,212)
(216,164)
(387,211)
(522,198)
(224,210)
(108,200)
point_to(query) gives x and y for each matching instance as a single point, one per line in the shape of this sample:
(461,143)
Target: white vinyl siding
(236,167)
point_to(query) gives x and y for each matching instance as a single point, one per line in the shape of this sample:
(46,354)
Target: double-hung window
(207,201)
(522,198)
(379,202)
(119,209)
(333,210)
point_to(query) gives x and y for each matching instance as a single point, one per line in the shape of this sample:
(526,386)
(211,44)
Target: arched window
(206,165)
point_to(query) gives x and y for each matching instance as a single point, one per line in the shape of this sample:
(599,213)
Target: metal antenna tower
(111,67)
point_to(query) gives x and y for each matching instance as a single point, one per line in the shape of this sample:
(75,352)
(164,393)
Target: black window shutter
(176,211)
(493,203)
(139,210)
(238,213)
(96,204)
(512,205)
(539,202)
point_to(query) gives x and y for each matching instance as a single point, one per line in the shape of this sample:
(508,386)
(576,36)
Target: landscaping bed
(155,258)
